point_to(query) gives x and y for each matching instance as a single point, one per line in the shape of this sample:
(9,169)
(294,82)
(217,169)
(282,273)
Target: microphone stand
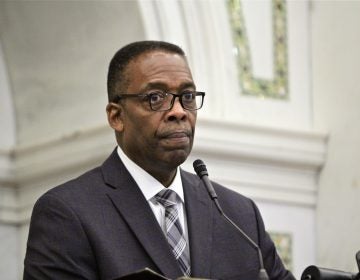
(262,272)
(201,171)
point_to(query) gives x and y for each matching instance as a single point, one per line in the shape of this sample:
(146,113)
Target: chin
(176,158)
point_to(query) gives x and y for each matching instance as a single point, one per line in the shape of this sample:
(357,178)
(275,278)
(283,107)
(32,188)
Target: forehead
(159,67)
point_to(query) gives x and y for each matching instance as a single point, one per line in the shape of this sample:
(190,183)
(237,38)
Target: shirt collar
(148,185)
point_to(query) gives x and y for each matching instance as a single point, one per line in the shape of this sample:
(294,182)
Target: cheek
(144,132)
(144,128)
(192,118)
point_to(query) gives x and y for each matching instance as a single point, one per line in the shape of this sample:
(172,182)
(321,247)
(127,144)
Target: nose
(177,112)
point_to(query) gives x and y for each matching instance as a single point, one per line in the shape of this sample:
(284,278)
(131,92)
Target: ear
(115,116)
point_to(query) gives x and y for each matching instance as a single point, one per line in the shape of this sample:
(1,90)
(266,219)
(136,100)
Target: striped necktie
(174,232)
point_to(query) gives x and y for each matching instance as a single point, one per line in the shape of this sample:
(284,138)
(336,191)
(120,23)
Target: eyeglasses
(164,101)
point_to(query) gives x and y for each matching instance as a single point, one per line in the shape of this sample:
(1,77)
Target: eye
(188,96)
(156,97)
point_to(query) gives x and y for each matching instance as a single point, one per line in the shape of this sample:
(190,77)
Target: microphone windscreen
(200,168)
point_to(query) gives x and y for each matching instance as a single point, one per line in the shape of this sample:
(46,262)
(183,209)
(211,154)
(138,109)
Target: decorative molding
(264,163)
(284,245)
(76,150)
(284,147)
(277,88)
(6,167)
(261,162)
(9,209)
(8,191)
(163,20)
(37,167)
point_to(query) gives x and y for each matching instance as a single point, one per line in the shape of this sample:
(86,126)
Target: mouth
(177,139)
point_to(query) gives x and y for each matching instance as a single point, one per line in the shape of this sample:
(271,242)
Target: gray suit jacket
(100,226)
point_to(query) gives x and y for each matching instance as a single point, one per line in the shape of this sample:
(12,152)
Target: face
(156,141)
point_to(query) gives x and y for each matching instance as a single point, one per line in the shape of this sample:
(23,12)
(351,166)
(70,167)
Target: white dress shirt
(149,186)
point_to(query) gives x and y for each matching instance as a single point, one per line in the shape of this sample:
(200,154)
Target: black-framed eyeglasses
(164,101)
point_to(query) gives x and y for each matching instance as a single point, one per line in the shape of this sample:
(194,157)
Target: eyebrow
(164,86)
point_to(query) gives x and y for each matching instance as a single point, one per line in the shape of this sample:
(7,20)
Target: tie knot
(166,198)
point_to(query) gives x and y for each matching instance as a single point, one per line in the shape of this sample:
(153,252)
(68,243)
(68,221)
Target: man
(119,218)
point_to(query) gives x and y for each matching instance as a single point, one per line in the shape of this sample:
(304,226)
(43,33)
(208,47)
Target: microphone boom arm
(201,171)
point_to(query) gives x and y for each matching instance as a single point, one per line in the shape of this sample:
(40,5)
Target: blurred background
(280,122)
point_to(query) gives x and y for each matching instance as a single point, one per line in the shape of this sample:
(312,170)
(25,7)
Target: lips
(177,138)
(176,134)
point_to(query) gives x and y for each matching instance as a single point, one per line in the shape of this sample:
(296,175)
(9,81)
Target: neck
(164,179)
(164,173)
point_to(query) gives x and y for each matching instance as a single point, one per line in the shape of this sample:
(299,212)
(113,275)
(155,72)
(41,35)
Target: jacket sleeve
(57,246)
(272,261)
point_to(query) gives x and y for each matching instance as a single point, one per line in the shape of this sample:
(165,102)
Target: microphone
(313,272)
(201,171)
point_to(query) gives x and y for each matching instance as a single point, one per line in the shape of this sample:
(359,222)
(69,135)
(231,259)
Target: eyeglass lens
(189,101)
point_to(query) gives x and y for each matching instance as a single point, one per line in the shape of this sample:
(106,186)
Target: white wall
(9,250)
(7,114)
(57,54)
(9,241)
(336,87)
(304,245)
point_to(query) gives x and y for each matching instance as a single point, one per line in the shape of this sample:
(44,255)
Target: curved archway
(7,116)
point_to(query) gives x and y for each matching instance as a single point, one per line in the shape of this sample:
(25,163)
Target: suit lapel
(199,220)
(133,207)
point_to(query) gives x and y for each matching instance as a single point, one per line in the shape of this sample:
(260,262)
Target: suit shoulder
(225,194)
(87,183)
(232,198)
